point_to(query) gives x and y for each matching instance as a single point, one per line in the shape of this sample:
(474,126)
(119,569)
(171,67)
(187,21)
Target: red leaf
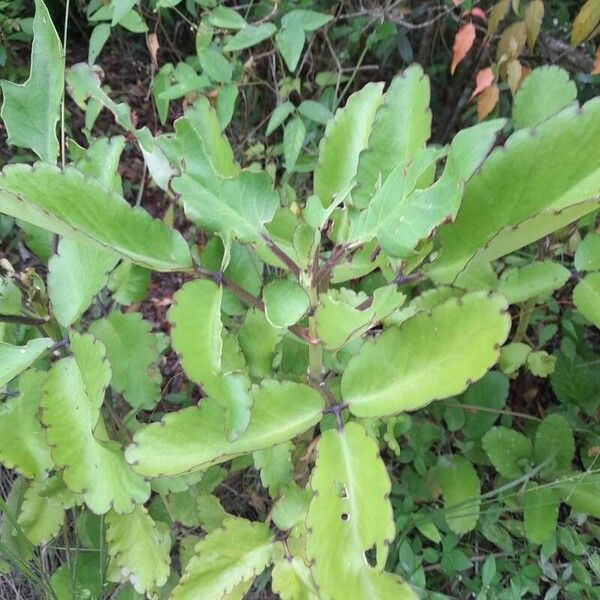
(483,80)
(456,2)
(479,13)
(463,42)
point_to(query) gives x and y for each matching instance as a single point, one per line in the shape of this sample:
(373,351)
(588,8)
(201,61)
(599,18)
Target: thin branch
(281,255)
(335,257)
(22,320)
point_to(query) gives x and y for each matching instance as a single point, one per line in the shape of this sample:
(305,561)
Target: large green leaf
(76,273)
(92,465)
(226,558)
(138,549)
(31,110)
(70,204)
(431,356)
(349,515)
(401,127)
(346,136)
(15,359)
(538,182)
(23,444)
(131,350)
(586,297)
(193,438)
(197,336)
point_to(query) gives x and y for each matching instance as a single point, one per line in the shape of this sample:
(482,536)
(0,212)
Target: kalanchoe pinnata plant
(308,328)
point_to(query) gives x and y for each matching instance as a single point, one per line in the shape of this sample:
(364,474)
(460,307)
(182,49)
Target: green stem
(524,319)
(315,348)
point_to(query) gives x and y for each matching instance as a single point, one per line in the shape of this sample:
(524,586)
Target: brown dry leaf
(596,69)
(512,41)
(514,75)
(463,42)
(534,13)
(497,13)
(483,80)
(487,100)
(587,22)
(153,46)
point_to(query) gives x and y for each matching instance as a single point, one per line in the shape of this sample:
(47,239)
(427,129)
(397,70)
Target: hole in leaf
(371,556)
(345,516)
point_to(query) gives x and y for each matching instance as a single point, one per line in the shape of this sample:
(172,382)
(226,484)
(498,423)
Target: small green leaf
(543,93)
(286,302)
(30,110)
(315,111)
(291,580)
(10,297)
(259,341)
(68,203)
(554,442)
(289,42)
(23,444)
(211,513)
(581,491)
(349,515)
(540,513)
(587,256)
(513,356)
(92,465)
(216,66)
(460,488)
(307,20)
(541,364)
(490,392)
(586,297)
(535,280)
(226,18)
(193,438)
(508,450)
(279,115)
(15,359)
(226,558)
(429,357)
(293,138)
(131,350)
(275,465)
(138,549)
(133,21)
(129,283)
(100,35)
(250,36)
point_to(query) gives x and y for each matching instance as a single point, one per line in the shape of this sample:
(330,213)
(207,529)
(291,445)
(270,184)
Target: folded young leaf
(510,202)
(350,514)
(23,444)
(71,400)
(30,110)
(15,359)
(226,558)
(68,203)
(138,549)
(193,438)
(431,356)
(346,136)
(196,336)
(131,350)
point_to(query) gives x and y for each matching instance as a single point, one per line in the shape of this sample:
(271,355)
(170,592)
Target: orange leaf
(153,47)
(478,13)
(463,42)
(596,69)
(487,100)
(483,80)
(534,13)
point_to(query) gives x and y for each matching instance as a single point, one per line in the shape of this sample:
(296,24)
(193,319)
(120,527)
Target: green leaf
(275,465)
(293,138)
(119,9)
(431,356)
(133,22)
(587,256)
(259,341)
(10,297)
(401,127)
(192,439)
(540,363)
(210,512)
(490,392)
(92,465)
(513,356)
(224,559)
(23,444)
(279,115)
(250,36)
(226,100)
(522,192)
(554,441)
(30,110)
(586,297)
(315,111)
(68,203)
(349,515)
(76,274)
(138,549)
(129,283)
(461,488)
(290,42)
(286,302)
(100,35)
(346,136)
(535,280)
(238,206)
(543,93)
(540,513)
(216,66)
(508,450)
(581,491)
(291,580)
(15,359)
(131,350)
(307,20)
(226,18)
(196,336)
